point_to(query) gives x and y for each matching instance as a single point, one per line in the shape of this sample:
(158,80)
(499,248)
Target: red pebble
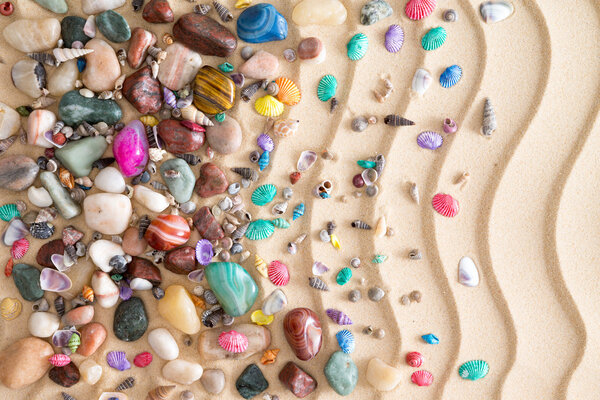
(7,8)
(59,138)
(49,153)
(9,267)
(143,359)
(295,177)
(358,181)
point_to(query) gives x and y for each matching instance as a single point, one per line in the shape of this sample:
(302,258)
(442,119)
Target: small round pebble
(187,395)
(415,295)
(372,190)
(358,181)
(324,236)
(359,124)
(368,330)
(227,320)
(187,340)
(405,300)
(234,188)
(287,193)
(118,263)
(379,333)
(247,52)
(198,290)
(158,293)
(355,262)
(210,297)
(376,293)
(390,231)
(354,295)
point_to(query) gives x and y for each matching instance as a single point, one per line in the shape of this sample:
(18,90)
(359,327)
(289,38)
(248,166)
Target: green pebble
(74,109)
(113,26)
(60,195)
(130,321)
(341,373)
(182,186)
(226,67)
(56,6)
(78,156)
(27,281)
(366,164)
(220,117)
(251,382)
(24,111)
(344,276)
(71,30)
(233,286)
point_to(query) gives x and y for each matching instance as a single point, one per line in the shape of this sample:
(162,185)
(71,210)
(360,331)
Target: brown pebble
(368,330)
(390,231)
(132,245)
(372,120)
(310,49)
(415,295)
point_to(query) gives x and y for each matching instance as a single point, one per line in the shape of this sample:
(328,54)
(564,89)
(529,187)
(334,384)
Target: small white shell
(467,272)
(421,81)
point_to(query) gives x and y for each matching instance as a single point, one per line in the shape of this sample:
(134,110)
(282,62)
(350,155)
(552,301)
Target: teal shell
(220,117)
(260,229)
(280,223)
(226,67)
(379,258)
(474,370)
(263,161)
(8,212)
(344,276)
(264,194)
(366,164)
(327,87)
(357,46)
(298,211)
(434,39)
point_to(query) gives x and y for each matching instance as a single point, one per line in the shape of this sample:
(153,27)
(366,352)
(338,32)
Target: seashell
(66,178)
(415,254)
(260,265)
(240,231)
(430,338)
(44,58)
(429,140)
(306,160)
(189,158)
(142,360)
(280,208)
(265,142)
(317,283)
(59,360)
(9,211)
(450,126)
(59,305)
(204,252)
(160,392)
(450,76)
(346,341)
(9,267)
(126,384)
(67,396)
(335,242)
(74,342)
(467,272)
(250,91)
(269,106)
(10,308)
(379,258)
(422,378)
(445,205)
(61,337)
(290,55)
(269,356)
(421,81)
(474,370)
(246,173)
(359,124)
(54,281)
(419,9)
(106,95)
(489,119)
(318,268)
(242,3)
(223,11)
(233,342)
(450,15)
(191,113)
(288,91)
(298,211)
(379,164)
(396,120)
(19,249)
(357,47)
(278,273)
(434,38)
(360,224)
(184,102)
(117,360)
(63,55)
(343,276)
(87,293)
(280,223)
(40,305)
(43,102)
(414,192)
(338,317)
(6,143)
(369,176)
(202,9)
(495,11)
(394,38)
(264,194)
(415,359)
(259,229)
(169,98)
(263,161)
(327,87)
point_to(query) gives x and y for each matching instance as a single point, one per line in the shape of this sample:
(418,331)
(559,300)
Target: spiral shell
(280,223)
(74,342)
(249,91)
(397,120)
(278,273)
(415,359)
(10,308)
(489,119)
(357,223)
(338,317)
(59,305)
(59,360)
(288,91)
(269,106)
(450,76)
(233,342)
(430,140)
(263,161)
(160,392)
(422,378)
(201,9)
(317,283)
(191,113)
(63,55)
(450,15)
(419,9)
(126,384)
(149,120)
(269,356)
(394,38)
(88,293)
(298,211)
(246,173)
(445,205)
(327,87)
(223,11)
(169,98)
(260,265)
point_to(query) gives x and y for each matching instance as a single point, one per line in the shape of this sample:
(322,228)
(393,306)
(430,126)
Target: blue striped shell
(346,340)
(260,229)
(434,39)
(263,161)
(429,140)
(280,223)
(450,76)
(8,212)
(327,87)
(474,370)
(264,194)
(357,46)
(298,211)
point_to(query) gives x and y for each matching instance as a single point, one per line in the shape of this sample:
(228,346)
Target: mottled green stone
(56,6)
(113,26)
(71,30)
(60,195)
(234,287)
(251,382)
(341,373)
(130,322)
(74,109)
(27,281)
(181,186)
(78,156)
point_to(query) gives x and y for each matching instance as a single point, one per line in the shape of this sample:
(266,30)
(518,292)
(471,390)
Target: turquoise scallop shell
(357,46)
(260,229)
(474,370)
(327,87)
(264,194)
(434,39)
(450,76)
(280,223)
(8,212)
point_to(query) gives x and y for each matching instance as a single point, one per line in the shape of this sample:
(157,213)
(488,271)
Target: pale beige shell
(10,308)
(119,82)
(285,127)
(381,228)
(63,55)
(43,102)
(160,393)
(191,113)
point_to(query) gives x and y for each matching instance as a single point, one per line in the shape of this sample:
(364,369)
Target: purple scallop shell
(430,140)
(196,275)
(118,360)
(338,317)
(61,337)
(394,38)
(265,142)
(204,251)
(169,98)
(125,292)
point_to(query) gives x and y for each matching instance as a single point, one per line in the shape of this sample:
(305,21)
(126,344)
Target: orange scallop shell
(288,92)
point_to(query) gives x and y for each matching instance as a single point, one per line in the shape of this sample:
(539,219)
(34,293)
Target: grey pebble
(247,52)
(354,295)
(324,236)
(375,293)
(379,333)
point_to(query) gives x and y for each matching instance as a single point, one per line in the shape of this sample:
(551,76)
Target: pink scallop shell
(278,273)
(59,360)
(233,342)
(445,205)
(415,359)
(19,248)
(419,9)
(422,378)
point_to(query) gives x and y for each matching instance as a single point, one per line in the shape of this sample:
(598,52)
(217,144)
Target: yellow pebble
(242,3)
(149,120)
(261,319)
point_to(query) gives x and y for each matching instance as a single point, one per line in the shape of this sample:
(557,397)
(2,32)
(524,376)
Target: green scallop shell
(474,370)
(344,276)
(8,212)
(379,258)
(327,87)
(357,46)
(264,194)
(280,223)
(434,39)
(260,229)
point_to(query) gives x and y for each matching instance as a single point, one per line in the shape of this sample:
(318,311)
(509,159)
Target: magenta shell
(143,359)
(415,359)
(338,317)
(169,98)
(450,126)
(445,205)
(278,273)
(130,148)
(430,140)
(118,360)
(19,248)
(394,38)
(265,142)
(422,378)
(59,360)
(204,251)
(233,341)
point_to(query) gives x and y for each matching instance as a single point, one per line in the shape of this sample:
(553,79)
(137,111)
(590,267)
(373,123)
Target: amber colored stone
(24,361)
(47,250)
(302,330)
(167,231)
(143,91)
(212,181)
(300,383)
(213,92)
(178,139)
(207,225)
(204,35)
(65,376)
(157,12)
(92,337)
(78,316)
(144,269)
(181,261)
(139,43)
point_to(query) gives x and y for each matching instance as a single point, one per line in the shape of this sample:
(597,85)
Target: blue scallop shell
(298,211)
(264,194)
(474,370)
(261,23)
(450,76)
(346,340)
(263,161)
(260,229)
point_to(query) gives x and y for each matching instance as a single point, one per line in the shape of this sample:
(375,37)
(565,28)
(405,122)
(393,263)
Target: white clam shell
(468,274)
(496,10)
(421,81)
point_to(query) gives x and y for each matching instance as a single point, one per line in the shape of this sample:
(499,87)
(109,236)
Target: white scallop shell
(421,81)
(496,10)
(468,274)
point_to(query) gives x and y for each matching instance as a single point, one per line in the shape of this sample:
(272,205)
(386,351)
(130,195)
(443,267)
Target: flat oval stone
(259,339)
(32,35)
(179,139)
(17,172)
(93,336)
(163,344)
(56,6)
(298,381)
(130,148)
(78,156)
(78,316)
(341,373)
(319,12)
(251,382)
(130,321)
(204,35)
(302,330)
(212,181)
(10,121)
(213,380)
(234,287)
(150,199)
(63,78)
(24,362)
(29,76)
(61,198)
(132,244)
(97,6)
(65,376)
(107,213)
(261,23)
(224,137)
(27,281)
(74,109)
(110,180)
(181,261)
(158,12)
(262,65)
(113,26)
(180,184)
(38,123)
(102,67)
(141,40)
(47,250)
(214,92)
(43,324)
(72,31)
(143,91)
(144,269)
(179,310)
(180,67)
(207,225)
(182,371)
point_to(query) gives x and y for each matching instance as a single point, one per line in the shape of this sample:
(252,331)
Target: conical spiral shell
(489,119)
(160,393)
(191,113)
(63,55)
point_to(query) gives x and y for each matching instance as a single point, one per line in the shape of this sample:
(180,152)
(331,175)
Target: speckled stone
(143,91)
(130,321)
(204,35)
(113,26)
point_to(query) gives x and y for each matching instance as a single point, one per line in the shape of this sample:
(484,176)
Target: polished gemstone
(212,181)
(157,12)
(319,12)
(27,281)
(214,92)
(144,269)
(130,321)
(207,225)
(179,178)
(24,362)
(32,35)
(261,23)
(130,148)
(225,137)
(72,31)
(179,310)
(142,90)
(107,213)
(92,337)
(180,67)
(113,26)
(74,109)
(204,35)
(302,330)
(341,373)
(179,139)
(102,67)
(141,40)
(181,261)
(251,382)
(56,6)
(374,11)
(299,382)
(234,287)
(78,156)
(167,231)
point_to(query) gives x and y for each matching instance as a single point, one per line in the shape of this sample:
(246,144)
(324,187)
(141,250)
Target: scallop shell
(285,127)
(63,55)
(327,87)
(261,265)
(142,360)
(269,106)
(434,39)
(288,92)
(117,360)
(233,341)
(338,317)
(450,76)
(496,10)
(278,273)
(419,9)
(59,360)
(161,392)
(204,252)
(298,211)
(467,272)
(9,211)
(318,268)
(474,370)
(10,308)
(357,46)
(260,229)
(422,378)
(430,140)
(280,223)
(265,142)
(264,194)
(346,340)
(421,81)
(19,249)
(394,38)
(445,205)
(415,359)
(263,161)
(52,280)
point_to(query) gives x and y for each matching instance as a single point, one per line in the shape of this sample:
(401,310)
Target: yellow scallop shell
(10,308)
(261,319)
(285,127)
(288,92)
(149,120)
(269,106)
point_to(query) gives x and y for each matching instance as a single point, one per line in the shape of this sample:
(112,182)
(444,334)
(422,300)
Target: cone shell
(338,317)
(280,223)
(264,194)
(269,106)
(10,308)
(8,212)
(263,161)
(142,360)
(288,92)
(327,87)
(415,359)
(419,9)
(474,370)
(422,378)
(489,119)
(233,342)
(430,140)
(260,229)
(285,127)
(278,273)
(298,211)
(434,39)
(19,249)
(261,265)
(394,38)
(59,360)
(445,205)
(317,283)
(160,393)
(450,76)
(63,55)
